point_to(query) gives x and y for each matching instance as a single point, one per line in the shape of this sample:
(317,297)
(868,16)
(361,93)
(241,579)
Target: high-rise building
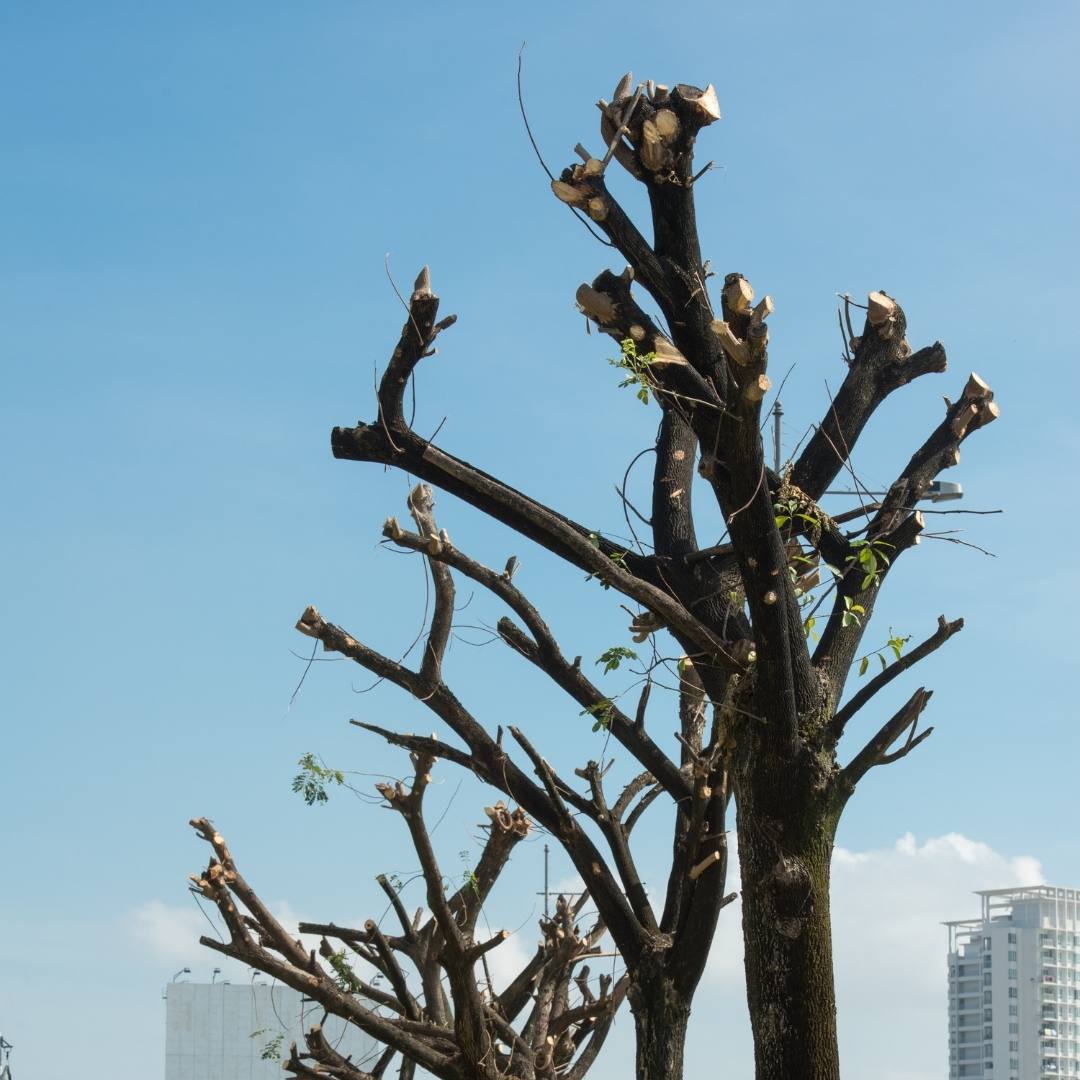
(1014,986)
(220,1031)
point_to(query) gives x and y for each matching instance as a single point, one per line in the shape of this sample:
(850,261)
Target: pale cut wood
(597,305)
(762,310)
(962,419)
(666,352)
(738,294)
(597,208)
(593,167)
(880,308)
(422,287)
(757,388)
(654,155)
(704,102)
(567,193)
(709,860)
(733,346)
(977,389)
(667,124)
(622,90)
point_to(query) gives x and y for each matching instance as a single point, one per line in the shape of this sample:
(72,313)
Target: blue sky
(197,204)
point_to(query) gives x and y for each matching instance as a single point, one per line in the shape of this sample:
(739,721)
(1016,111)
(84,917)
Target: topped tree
(761,711)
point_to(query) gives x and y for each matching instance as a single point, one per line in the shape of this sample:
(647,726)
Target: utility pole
(546,893)
(777,412)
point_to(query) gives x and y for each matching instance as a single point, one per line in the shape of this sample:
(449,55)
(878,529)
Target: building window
(988,997)
(986,960)
(988,1032)
(1014,1010)
(1014,1029)
(987,979)
(988,1014)
(1013,992)
(1013,974)
(986,944)
(1012,954)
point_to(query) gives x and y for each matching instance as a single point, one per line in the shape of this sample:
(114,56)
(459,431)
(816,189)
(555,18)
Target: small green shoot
(613,657)
(636,368)
(601,712)
(314,777)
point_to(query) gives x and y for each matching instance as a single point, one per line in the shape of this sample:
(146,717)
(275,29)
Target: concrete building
(1014,987)
(219,1031)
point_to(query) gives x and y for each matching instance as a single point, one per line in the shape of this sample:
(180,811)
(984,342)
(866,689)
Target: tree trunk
(784,859)
(661,1014)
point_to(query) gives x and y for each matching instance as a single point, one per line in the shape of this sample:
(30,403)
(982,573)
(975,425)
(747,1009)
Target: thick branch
(944,631)
(875,752)
(882,363)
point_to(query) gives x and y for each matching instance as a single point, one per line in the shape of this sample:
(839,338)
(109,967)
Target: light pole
(182,971)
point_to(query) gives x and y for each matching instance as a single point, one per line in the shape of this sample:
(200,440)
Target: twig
(621,130)
(536,149)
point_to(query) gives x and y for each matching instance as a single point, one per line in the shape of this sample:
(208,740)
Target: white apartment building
(220,1031)
(1014,987)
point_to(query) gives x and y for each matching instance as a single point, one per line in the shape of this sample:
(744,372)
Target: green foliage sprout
(468,876)
(314,777)
(636,368)
(601,711)
(272,1050)
(613,657)
(895,645)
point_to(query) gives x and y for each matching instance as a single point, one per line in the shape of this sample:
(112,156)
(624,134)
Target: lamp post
(182,971)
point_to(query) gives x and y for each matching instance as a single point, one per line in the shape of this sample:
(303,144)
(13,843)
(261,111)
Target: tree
(738,609)
(456,1026)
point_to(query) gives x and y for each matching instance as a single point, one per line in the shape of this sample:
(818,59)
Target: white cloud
(167,936)
(506,960)
(888,905)
(169,933)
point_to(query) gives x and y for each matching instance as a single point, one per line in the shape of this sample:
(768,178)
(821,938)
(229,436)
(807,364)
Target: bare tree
(761,709)
(429,997)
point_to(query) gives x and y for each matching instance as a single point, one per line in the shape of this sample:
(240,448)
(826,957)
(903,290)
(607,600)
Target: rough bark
(661,1016)
(785,851)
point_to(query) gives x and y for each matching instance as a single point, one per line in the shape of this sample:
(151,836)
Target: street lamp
(214,975)
(182,971)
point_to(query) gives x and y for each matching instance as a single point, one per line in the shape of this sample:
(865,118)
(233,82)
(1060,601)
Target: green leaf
(272,1050)
(601,712)
(884,662)
(613,657)
(313,778)
(863,665)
